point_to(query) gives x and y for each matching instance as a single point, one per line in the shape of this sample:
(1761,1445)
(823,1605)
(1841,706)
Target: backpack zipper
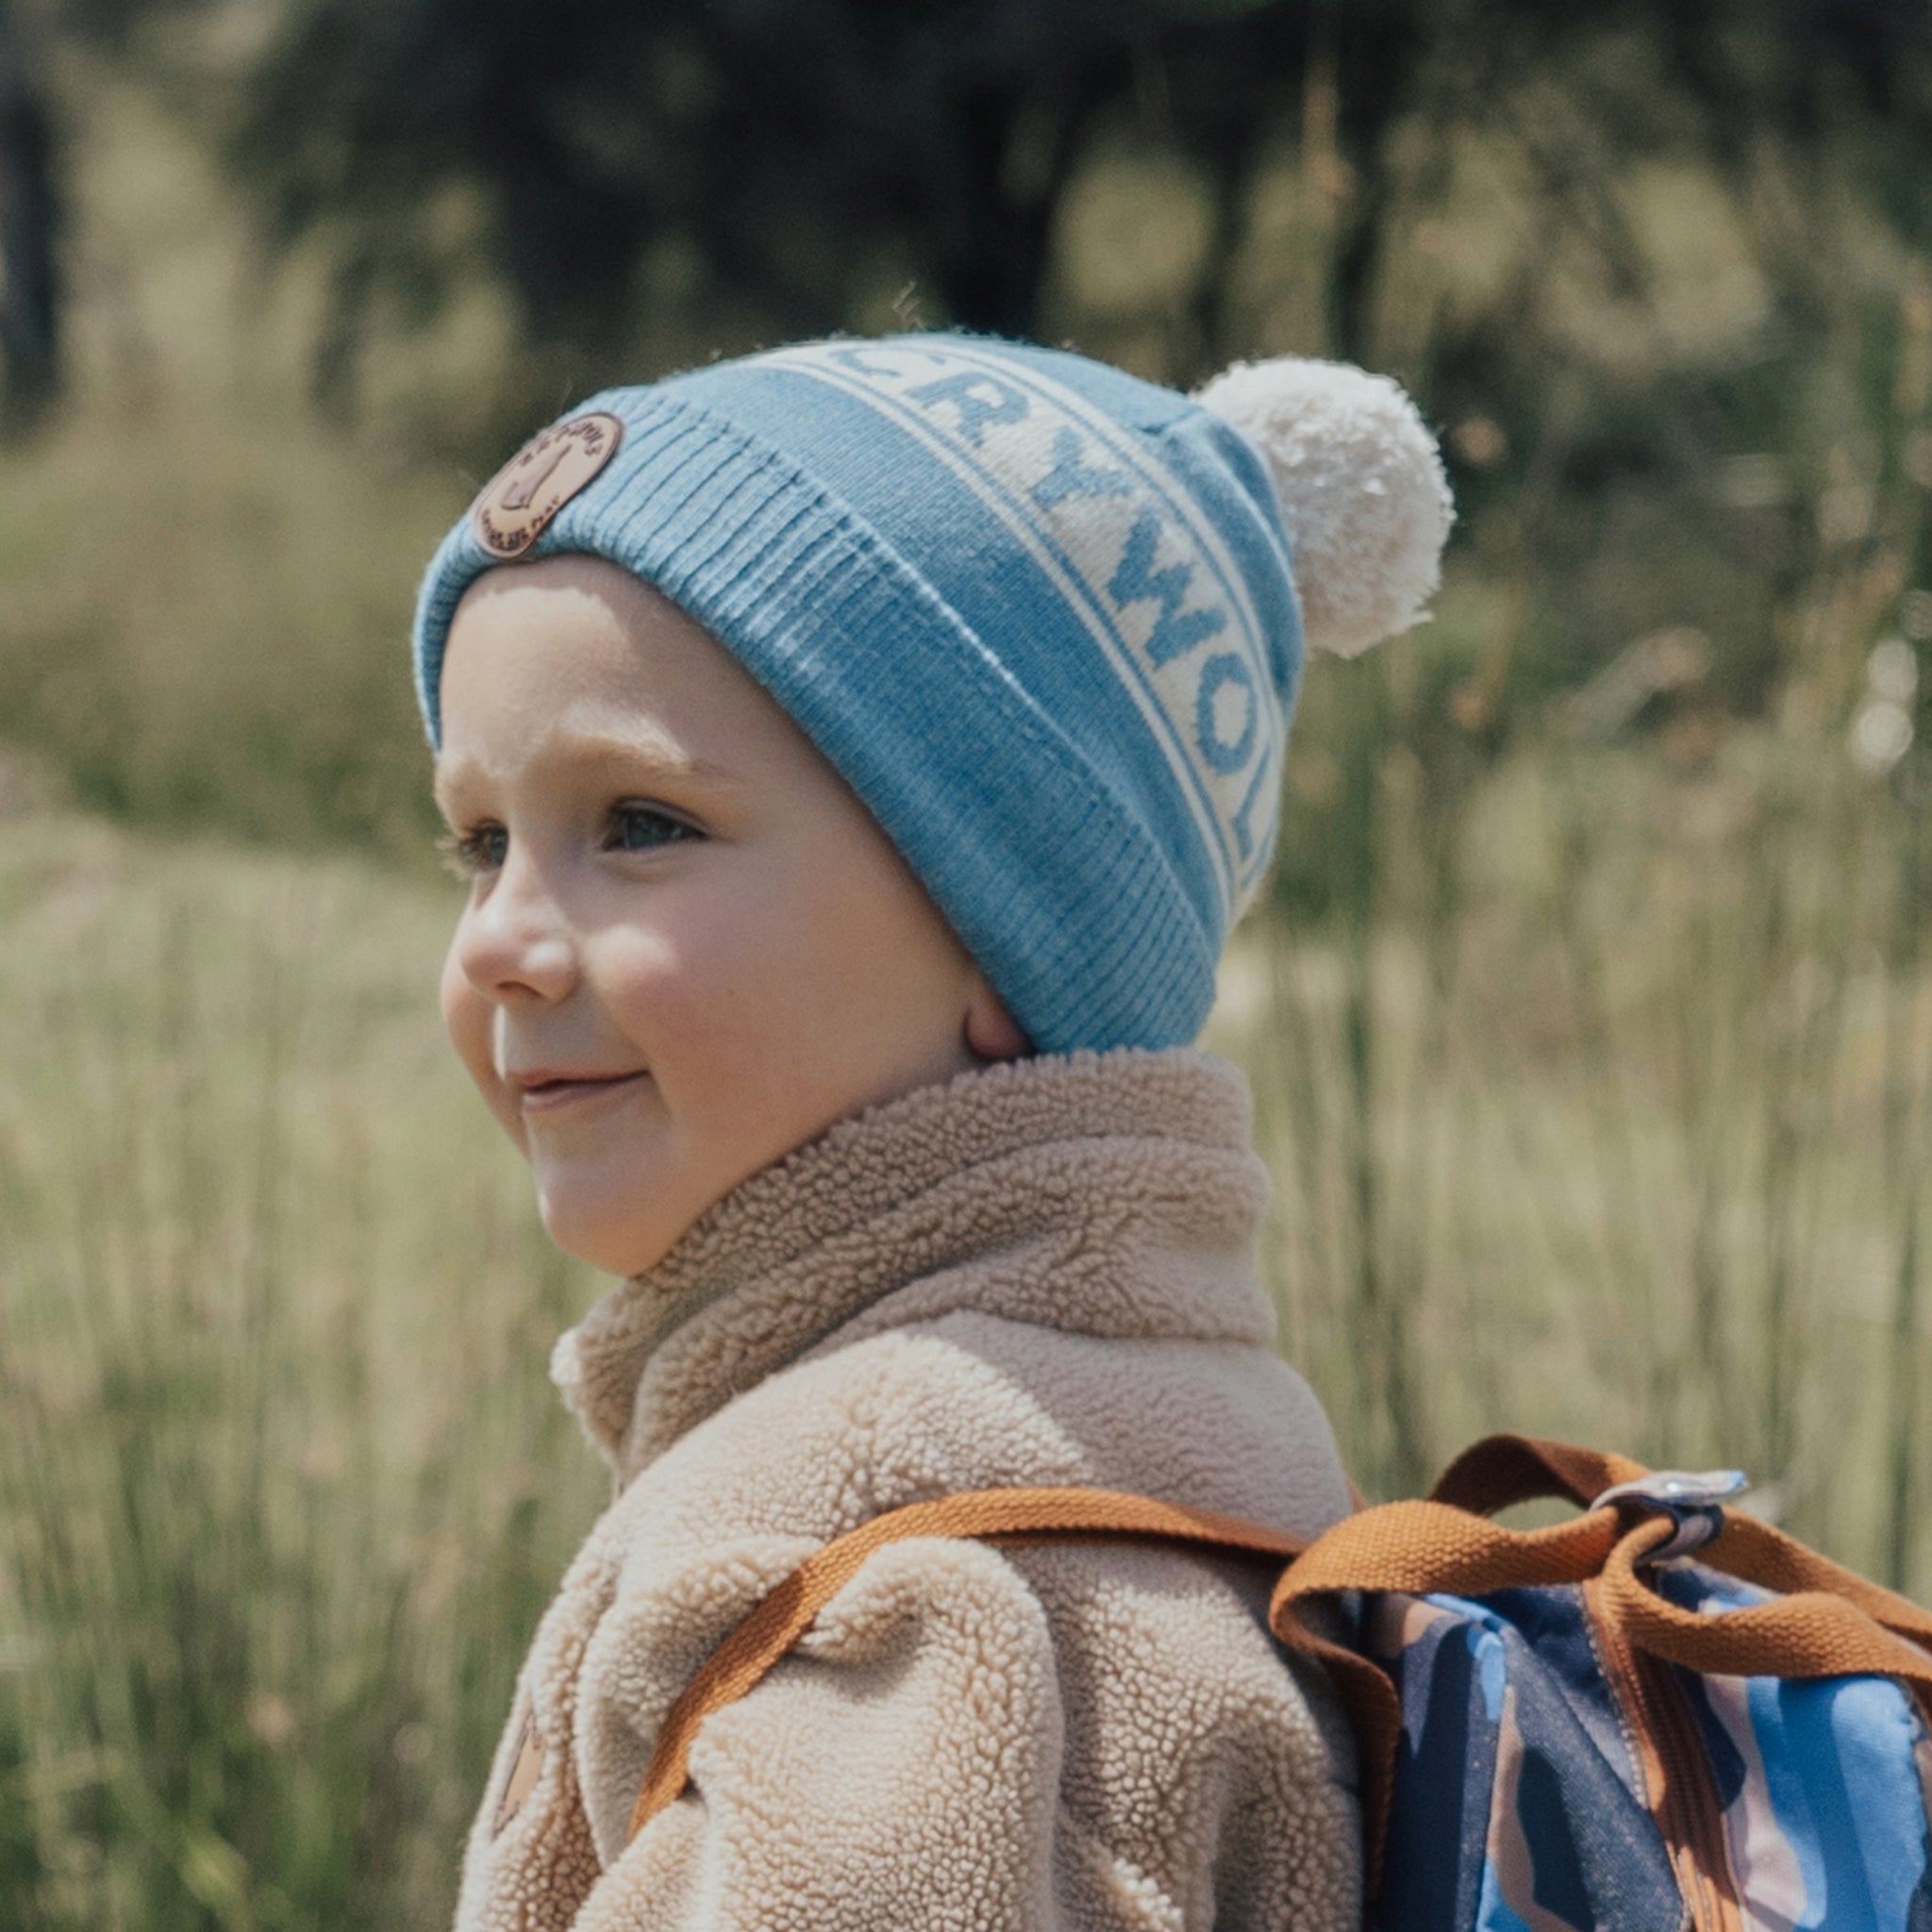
(1679,1787)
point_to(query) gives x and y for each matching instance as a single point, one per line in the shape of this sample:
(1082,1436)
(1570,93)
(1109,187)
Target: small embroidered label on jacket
(526,494)
(523,1773)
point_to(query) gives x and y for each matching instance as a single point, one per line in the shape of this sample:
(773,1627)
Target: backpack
(1573,1729)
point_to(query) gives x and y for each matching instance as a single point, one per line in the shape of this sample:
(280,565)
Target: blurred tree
(792,161)
(29,290)
(790,158)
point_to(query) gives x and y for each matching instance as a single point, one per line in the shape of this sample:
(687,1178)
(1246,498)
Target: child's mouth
(541,1095)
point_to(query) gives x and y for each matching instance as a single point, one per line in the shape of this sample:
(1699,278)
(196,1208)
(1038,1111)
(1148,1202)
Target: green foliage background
(1590,1017)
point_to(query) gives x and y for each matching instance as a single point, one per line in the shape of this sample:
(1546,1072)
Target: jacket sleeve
(899,1770)
(979,1741)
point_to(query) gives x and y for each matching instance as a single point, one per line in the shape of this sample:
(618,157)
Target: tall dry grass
(1603,1109)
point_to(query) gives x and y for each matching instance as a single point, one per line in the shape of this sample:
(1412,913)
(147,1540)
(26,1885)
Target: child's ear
(991,1033)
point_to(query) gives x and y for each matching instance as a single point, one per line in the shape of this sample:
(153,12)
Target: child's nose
(517,945)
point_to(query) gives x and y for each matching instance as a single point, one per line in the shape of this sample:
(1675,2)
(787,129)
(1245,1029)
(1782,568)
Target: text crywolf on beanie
(1045,619)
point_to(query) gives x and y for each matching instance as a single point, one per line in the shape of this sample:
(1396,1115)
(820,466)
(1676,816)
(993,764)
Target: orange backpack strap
(1826,1622)
(1013,1516)
(1829,1622)
(1820,1596)
(1502,1469)
(1418,1548)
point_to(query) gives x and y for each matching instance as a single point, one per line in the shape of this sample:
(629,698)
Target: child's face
(687,947)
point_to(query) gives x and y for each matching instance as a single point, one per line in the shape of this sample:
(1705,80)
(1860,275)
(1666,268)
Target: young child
(860,752)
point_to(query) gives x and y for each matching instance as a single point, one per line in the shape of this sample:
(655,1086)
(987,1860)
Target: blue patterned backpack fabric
(1553,1776)
(1520,1799)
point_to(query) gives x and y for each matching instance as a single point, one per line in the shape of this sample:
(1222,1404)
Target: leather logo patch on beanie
(523,497)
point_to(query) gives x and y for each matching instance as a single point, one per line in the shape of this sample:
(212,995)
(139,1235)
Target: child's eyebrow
(649,758)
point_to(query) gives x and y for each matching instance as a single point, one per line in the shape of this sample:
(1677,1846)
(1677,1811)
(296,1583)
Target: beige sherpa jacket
(1040,1272)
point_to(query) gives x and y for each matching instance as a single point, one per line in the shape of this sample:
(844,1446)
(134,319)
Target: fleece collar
(1113,1194)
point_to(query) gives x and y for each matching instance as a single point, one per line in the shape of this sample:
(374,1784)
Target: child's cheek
(718,1003)
(675,983)
(469,1021)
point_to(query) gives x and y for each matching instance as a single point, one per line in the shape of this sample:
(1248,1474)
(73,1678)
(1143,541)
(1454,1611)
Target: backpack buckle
(1693,1500)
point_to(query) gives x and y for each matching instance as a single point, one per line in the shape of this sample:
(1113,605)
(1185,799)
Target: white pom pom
(1362,489)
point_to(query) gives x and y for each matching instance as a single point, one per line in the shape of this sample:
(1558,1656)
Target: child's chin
(602,1233)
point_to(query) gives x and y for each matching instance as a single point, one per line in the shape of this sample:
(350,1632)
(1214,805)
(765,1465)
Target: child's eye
(641,828)
(481,848)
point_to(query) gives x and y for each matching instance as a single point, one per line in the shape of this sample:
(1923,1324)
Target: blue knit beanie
(1045,619)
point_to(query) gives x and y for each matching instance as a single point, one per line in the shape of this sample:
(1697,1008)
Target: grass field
(1608,1117)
